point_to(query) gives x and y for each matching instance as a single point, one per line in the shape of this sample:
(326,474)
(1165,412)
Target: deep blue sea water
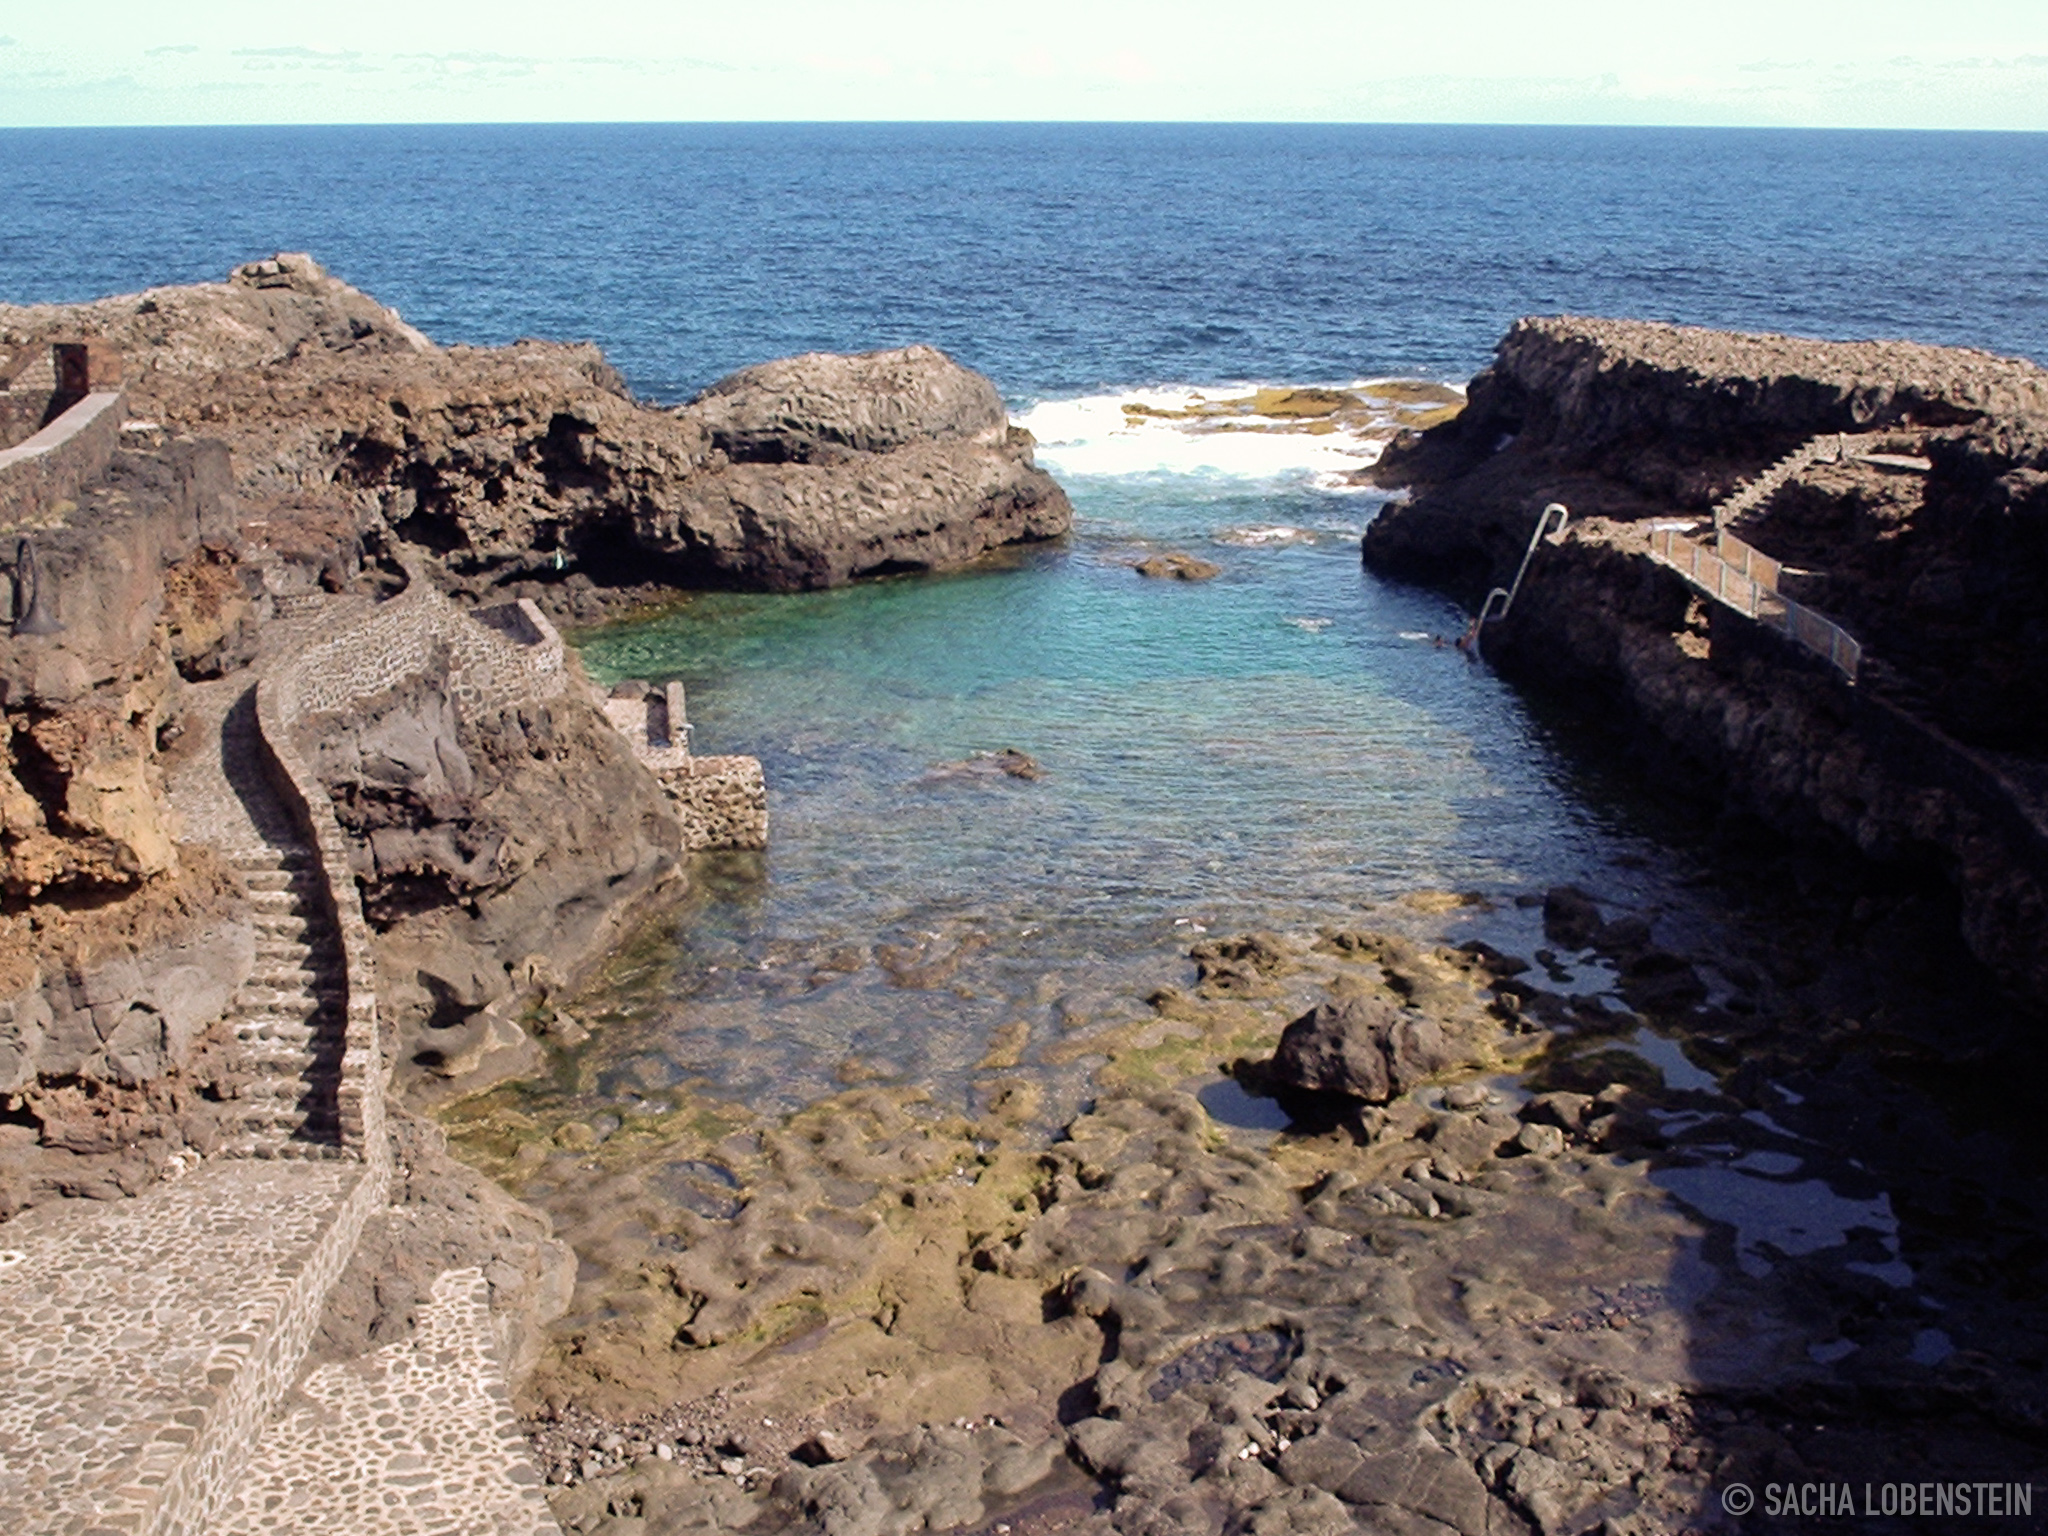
(1285,746)
(1062,258)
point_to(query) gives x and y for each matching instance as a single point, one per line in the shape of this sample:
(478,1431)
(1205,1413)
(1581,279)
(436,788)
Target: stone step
(263,1023)
(302,1071)
(274,1023)
(324,993)
(274,971)
(288,1118)
(273,856)
(275,1026)
(283,952)
(274,1043)
(315,933)
(269,1073)
(264,904)
(419,1436)
(275,1144)
(276,880)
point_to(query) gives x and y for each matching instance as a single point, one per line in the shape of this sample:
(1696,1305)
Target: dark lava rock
(1570,919)
(801,409)
(1360,1046)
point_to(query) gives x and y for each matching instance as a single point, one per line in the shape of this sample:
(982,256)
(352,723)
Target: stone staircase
(150,1346)
(290,1016)
(1751,494)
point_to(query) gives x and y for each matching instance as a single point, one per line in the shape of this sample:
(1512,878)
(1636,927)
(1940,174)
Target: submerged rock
(1006,764)
(1178,567)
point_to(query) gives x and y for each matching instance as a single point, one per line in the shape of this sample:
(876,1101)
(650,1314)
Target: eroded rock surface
(533,463)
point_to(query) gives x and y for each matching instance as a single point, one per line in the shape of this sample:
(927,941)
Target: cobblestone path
(417,1438)
(142,1340)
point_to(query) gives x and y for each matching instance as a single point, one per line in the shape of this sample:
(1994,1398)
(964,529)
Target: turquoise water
(1284,746)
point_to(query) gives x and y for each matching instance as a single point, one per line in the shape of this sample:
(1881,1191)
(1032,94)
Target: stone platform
(143,1341)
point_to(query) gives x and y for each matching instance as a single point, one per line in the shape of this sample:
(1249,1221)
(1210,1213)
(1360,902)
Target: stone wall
(56,462)
(722,802)
(372,656)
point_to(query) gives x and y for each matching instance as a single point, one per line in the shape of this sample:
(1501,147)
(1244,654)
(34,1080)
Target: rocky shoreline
(1475,1304)
(1926,548)
(1385,1226)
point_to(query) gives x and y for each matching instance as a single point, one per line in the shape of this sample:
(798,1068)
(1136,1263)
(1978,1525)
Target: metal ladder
(1506,595)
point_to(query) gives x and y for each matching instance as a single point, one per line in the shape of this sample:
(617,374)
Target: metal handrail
(1726,584)
(1507,594)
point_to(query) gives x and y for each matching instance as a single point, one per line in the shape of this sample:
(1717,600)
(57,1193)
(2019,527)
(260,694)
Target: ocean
(1289,745)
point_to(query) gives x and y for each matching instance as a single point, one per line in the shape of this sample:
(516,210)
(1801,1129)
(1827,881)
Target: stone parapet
(722,802)
(52,466)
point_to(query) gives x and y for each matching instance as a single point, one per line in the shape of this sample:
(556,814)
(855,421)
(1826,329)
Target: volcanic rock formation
(534,461)
(1925,538)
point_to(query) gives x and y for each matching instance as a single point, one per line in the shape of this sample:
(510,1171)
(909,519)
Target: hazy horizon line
(1019,122)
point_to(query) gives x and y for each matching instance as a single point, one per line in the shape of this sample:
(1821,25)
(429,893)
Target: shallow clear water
(1283,746)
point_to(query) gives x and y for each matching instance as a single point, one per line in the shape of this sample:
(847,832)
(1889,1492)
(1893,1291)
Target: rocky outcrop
(812,409)
(120,947)
(1933,759)
(533,463)
(846,466)
(1630,419)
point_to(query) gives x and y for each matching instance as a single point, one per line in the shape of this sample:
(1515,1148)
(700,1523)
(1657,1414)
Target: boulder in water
(1175,566)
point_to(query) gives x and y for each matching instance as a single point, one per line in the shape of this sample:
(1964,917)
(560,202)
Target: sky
(1791,63)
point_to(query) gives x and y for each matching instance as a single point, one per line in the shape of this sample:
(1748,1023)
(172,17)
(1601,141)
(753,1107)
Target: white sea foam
(1095,435)
(1255,536)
